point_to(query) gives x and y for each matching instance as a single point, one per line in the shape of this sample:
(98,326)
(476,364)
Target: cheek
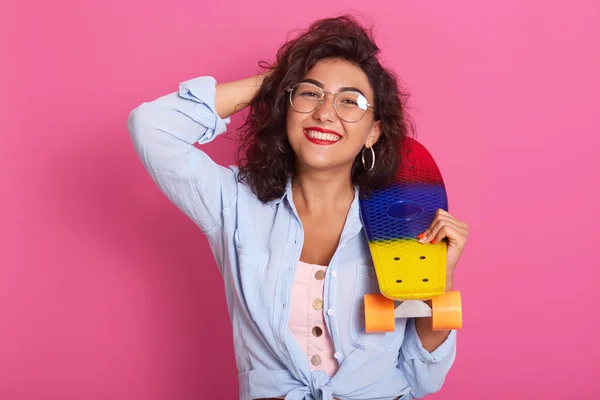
(293,124)
(289,124)
(358,134)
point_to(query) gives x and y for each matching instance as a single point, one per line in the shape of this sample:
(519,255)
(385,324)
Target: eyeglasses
(349,105)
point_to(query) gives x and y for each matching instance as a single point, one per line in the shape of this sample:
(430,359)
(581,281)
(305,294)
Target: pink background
(109,292)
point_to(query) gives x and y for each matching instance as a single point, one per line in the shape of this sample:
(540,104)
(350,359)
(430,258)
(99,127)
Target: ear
(374,135)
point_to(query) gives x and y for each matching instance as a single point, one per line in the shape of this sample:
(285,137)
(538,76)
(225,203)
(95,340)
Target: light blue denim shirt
(257,248)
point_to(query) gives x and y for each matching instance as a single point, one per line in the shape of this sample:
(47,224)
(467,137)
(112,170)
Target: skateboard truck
(381,312)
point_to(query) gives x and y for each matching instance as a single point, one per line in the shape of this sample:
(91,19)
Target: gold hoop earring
(372,155)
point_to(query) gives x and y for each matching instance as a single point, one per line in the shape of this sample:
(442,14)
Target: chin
(317,164)
(320,164)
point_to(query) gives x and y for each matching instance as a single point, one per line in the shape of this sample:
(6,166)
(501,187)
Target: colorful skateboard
(408,271)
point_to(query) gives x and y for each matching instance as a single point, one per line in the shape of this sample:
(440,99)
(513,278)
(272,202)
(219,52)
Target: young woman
(324,126)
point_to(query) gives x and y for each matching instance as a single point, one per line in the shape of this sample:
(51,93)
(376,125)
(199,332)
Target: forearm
(234,96)
(429,338)
(164,131)
(426,370)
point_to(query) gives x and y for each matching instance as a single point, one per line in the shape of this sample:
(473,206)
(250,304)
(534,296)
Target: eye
(309,94)
(348,99)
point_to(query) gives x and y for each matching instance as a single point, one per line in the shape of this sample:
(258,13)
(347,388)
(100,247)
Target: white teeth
(323,136)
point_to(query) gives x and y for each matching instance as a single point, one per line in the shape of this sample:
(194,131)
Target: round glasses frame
(322,100)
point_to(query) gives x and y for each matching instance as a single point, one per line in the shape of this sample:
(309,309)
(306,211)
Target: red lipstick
(321,141)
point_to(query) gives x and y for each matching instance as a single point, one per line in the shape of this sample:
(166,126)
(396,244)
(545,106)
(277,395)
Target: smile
(321,137)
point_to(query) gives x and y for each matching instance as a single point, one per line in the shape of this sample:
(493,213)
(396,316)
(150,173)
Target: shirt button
(317,331)
(315,360)
(337,355)
(320,275)
(334,273)
(317,304)
(330,311)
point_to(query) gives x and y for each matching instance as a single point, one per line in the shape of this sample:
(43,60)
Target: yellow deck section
(409,270)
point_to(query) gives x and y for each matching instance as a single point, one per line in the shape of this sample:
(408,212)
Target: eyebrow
(342,89)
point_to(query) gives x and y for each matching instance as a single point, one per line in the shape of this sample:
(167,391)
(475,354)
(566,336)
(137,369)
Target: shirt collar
(287,192)
(354,207)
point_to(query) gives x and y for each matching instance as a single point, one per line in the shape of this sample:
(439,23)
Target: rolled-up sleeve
(424,370)
(164,132)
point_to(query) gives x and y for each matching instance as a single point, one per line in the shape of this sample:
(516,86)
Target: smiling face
(320,139)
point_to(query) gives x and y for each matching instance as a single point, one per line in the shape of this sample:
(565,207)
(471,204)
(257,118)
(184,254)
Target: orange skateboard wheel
(446,311)
(379,314)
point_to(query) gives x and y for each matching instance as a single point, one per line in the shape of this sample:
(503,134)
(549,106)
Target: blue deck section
(402,211)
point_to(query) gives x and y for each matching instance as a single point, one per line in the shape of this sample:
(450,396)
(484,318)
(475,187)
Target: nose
(326,111)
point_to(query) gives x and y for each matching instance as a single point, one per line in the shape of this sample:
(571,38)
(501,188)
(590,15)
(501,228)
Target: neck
(322,191)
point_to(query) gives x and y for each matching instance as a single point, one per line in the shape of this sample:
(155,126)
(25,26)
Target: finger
(455,238)
(435,228)
(436,225)
(452,221)
(442,212)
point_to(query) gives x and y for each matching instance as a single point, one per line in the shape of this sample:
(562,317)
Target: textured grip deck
(394,216)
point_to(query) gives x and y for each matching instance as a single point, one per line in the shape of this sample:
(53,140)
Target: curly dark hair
(265,156)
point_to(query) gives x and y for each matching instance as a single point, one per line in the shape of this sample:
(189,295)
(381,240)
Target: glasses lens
(351,106)
(306,97)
